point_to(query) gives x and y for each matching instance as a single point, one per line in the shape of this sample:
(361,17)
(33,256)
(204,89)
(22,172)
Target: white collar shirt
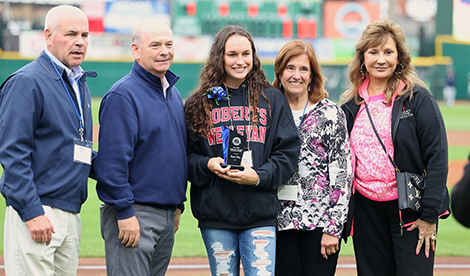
(74,75)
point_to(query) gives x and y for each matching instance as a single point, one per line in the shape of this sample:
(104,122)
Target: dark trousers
(380,248)
(298,253)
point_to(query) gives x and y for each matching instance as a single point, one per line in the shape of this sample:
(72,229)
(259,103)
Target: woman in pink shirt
(407,119)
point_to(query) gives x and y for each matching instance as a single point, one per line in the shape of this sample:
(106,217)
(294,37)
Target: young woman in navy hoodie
(237,209)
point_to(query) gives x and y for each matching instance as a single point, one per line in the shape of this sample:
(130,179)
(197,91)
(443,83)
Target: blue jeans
(255,247)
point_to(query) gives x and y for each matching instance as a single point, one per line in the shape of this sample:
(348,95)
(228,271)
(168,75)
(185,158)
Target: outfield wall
(431,70)
(459,51)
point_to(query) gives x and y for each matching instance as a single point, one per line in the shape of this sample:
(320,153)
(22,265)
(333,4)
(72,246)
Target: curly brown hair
(198,107)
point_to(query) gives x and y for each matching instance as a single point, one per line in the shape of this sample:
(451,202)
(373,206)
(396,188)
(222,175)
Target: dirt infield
(457,138)
(190,266)
(346,266)
(200,267)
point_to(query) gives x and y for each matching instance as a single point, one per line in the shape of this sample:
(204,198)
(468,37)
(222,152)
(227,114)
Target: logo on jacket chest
(406,113)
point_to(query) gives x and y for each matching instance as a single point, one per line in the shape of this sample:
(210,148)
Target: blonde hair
(376,34)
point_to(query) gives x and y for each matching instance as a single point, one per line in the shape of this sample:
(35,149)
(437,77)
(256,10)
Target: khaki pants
(24,256)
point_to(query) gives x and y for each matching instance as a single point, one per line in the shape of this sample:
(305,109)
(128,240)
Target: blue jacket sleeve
(21,107)
(117,138)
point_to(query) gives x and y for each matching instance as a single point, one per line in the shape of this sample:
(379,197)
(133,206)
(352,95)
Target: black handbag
(410,186)
(410,191)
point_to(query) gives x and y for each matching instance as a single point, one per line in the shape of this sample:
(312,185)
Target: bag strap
(380,140)
(382,144)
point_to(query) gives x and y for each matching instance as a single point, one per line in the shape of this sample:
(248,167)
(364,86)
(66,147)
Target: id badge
(287,192)
(247,159)
(82,151)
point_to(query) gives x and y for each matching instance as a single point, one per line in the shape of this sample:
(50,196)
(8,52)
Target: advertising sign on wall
(461,21)
(347,19)
(123,16)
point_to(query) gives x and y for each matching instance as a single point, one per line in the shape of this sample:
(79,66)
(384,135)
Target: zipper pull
(401,228)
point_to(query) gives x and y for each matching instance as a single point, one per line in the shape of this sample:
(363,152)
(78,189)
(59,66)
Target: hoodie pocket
(211,192)
(233,201)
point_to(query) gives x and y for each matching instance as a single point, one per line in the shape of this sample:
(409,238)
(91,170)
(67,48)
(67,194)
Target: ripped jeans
(255,247)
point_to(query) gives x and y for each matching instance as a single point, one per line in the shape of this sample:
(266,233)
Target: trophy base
(233,167)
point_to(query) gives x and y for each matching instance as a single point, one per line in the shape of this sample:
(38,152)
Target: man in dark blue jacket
(141,165)
(45,150)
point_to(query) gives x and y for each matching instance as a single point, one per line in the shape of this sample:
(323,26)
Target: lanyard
(81,129)
(303,114)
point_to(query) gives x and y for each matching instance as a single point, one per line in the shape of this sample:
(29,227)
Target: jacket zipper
(168,104)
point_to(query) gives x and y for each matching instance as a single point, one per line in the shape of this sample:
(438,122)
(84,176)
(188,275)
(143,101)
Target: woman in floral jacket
(314,203)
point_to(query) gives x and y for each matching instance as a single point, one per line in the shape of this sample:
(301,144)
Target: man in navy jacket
(45,150)
(141,166)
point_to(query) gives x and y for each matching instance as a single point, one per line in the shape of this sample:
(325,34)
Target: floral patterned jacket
(324,173)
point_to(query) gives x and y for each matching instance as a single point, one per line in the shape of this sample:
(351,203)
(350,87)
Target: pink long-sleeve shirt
(374,175)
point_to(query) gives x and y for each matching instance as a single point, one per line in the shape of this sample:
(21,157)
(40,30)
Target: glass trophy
(233,145)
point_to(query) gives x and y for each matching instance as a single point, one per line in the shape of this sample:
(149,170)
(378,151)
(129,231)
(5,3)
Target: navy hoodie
(275,146)
(142,144)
